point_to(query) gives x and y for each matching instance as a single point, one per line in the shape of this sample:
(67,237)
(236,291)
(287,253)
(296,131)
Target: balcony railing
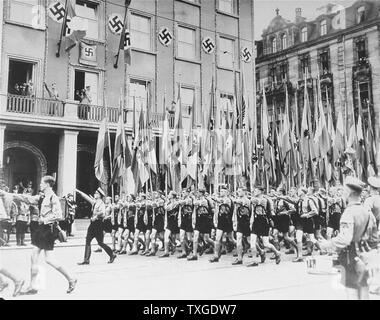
(97,113)
(35,106)
(72,111)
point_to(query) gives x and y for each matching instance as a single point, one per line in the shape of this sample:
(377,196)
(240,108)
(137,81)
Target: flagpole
(63,30)
(109,144)
(127,3)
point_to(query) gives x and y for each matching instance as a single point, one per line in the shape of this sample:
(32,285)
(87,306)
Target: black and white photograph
(195,153)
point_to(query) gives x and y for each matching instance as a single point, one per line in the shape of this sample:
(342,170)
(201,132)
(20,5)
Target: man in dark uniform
(353,225)
(158,229)
(262,213)
(284,210)
(71,208)
(95,229)
(222,220)
(129,214)
(305,222)
(171,221)
(185,221)
(202,221)
(241,218)
(335,208)
(141,222)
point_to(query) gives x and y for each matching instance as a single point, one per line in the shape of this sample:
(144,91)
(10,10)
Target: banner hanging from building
(56,11)
(115,23)
(208,45)
(165,36)
(87,54)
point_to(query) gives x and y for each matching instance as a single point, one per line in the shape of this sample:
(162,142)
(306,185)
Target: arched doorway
(86,180)
(23,162)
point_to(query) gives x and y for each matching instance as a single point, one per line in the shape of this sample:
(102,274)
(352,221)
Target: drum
(323,265)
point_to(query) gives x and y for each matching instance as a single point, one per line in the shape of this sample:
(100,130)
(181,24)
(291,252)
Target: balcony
(69,114)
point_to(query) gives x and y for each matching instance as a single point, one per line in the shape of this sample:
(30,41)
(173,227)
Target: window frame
(97,19)
(304,31)
(233,40)
(284,37)
(100,75)
(190,106)
(195,42)
(361,14)
(273,44)
(323,28)
(234,5)
(42,10)
(150,18)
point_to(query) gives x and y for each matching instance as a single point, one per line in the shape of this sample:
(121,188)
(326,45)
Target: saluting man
(202,222)
(185,221)
(241,218)
(158,229)
(95,229)
(171,221)
(262,213)
(222,221)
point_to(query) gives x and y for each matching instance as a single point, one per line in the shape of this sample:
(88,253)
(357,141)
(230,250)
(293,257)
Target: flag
(125,44)
(177,150)
(340,132)
(101,144)
(285,139)
(118,158)
(75,28)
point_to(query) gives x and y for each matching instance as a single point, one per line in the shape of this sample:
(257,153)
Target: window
(258,87)
(140,32)
(19,74)
(23,11)
(226,6)
(187,100)
(323,27)
(304,34)
(360,16)
(88,11)
(284,72)
(226,52)
(186,43)
(324,61)
(226,102)
(284,41)
(304,66)
(272,73)
(86,87)
(138,94)
(274,45)
(361,51)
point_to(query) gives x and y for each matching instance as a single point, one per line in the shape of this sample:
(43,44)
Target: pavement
(152,278)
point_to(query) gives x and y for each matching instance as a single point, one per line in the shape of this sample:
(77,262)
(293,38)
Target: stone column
(67,162)
(2,137)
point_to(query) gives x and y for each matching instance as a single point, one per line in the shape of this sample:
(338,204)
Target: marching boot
(18,239)
(87,255)
(23,240)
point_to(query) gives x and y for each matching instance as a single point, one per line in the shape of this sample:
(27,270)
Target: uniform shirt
(373,204)
(352,225)
(307,205)
(98,209)
(243,208)
(51,210)
(263,206)
(187,207)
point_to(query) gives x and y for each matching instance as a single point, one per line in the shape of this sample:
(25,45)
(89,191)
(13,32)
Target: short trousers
(203,224)
(225,224)
(260,226)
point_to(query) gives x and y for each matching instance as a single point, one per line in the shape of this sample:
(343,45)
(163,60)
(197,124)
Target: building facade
(341,46)
(175,44)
